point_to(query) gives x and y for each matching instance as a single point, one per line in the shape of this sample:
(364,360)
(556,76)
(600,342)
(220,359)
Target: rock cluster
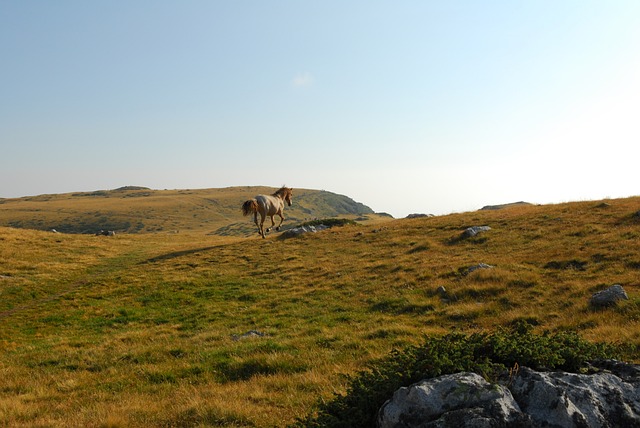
(607,398)
(106,233)
(297,231)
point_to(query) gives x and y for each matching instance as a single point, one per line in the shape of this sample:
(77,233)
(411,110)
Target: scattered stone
(249,334)
(106,233)
(608,398)
(445,296)
(297,231)
(472,231)
(54,231)
(608,297)
(478,266)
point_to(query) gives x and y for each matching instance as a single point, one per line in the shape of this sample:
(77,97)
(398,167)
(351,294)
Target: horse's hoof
(278,228)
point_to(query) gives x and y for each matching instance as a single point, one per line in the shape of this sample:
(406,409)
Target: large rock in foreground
(574,400)
(609,398)
(457,400)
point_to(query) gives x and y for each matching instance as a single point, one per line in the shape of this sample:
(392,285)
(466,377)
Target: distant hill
(502,206)
(135,209)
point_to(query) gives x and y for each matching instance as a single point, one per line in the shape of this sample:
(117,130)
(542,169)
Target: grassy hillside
(135,209)
(190,329)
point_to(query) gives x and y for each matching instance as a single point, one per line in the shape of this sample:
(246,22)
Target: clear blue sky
(406,106)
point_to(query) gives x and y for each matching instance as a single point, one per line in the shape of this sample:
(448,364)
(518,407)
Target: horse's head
(288,195)
(285,193)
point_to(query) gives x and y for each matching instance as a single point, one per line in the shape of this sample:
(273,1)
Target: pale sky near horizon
(405,106)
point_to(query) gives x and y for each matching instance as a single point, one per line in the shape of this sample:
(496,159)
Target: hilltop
(190,329)
(136,209)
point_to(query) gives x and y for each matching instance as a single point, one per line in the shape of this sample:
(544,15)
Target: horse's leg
(281,220)
(273,223)
(262,226)
(259,225)
(255,220)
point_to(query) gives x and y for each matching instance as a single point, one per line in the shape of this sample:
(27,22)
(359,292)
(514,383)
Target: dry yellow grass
(147,330)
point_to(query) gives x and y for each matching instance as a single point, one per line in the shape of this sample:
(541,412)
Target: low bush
(330,222)
(489,354)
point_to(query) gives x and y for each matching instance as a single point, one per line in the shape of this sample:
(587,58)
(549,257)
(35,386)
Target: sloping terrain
(141,210)
(189,329)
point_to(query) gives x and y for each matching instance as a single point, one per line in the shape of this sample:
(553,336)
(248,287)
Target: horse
(268,205)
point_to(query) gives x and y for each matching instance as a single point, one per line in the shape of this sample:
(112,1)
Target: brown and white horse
(268,205)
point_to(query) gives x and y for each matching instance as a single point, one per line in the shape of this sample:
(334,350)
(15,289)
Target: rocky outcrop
(574,400)
(503,206)
(297,231)
(419,215)
(608,398)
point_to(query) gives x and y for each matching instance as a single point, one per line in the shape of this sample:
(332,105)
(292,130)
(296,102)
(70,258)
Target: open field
(191,329)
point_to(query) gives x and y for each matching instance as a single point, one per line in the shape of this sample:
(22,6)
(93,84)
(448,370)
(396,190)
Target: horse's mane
(283,191)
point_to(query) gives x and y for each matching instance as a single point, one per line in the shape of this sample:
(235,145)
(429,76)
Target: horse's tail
(250,207)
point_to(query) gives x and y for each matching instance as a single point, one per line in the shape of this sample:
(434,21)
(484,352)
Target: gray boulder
(608,297)
(476,267)
(472,231)
(457,400)
(576,400)
(609,398)
(297,231)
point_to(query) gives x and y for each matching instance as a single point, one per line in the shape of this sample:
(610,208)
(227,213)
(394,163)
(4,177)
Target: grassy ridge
(140,210)
(194,330)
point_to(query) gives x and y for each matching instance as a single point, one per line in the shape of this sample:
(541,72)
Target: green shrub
(488,354)
(330,222)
